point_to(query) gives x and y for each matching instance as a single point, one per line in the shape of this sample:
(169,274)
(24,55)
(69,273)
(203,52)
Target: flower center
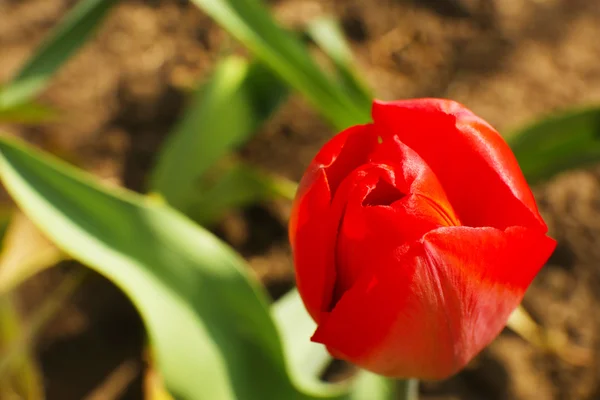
(383,194)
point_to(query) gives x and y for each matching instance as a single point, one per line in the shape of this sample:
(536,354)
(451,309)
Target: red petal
(344,153)
(413,174)
(388,207)
(439,305)
(313,223)
(476,167)
(339,156)
(312,245)
(510,258)
(372,237)
(389,323)
(485,273)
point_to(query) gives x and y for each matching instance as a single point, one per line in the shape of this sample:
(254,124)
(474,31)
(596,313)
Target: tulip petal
(344,153)
(315,270)
(313,222)
(444,300)
(413,175)
(389,206)
(476,167)
(374,237)
(378,324)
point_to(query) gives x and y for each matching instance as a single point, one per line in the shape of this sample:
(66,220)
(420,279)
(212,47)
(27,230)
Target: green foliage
(72,33)
(27,113)
(328,35)
(223,114)
(227,110)
(558,143)
(240,185)
(204,317)
(250,22)
(307,359)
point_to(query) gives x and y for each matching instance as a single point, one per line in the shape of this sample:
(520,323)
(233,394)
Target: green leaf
(250,22)
(66,39)
(374,387)
(222,115)
(307,359)
(310,359)
(209,325)
(558,143)
(240,185)
(328,35)
(27,113)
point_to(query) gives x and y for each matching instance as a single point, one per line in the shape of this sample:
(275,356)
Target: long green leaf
(558,143)
(210,327)
(222,115)
(66,39)
(250,22)
(328,35)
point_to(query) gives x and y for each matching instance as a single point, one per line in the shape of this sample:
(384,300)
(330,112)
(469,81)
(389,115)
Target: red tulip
(414,238)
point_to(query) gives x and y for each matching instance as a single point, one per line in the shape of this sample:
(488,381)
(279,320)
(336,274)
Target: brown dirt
(508,60)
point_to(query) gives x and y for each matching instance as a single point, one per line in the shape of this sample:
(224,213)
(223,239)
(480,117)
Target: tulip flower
(414,238)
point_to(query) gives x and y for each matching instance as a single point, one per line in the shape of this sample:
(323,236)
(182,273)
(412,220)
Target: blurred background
(510,61)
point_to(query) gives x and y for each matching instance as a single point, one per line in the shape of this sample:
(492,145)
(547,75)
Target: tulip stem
(408,389)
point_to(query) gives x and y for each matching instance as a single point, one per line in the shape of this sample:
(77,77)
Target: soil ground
(509,60)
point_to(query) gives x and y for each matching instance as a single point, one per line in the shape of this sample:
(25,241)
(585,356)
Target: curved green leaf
(210,327)
(560,142)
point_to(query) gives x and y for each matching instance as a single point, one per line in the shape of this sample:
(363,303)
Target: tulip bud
(414,238)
